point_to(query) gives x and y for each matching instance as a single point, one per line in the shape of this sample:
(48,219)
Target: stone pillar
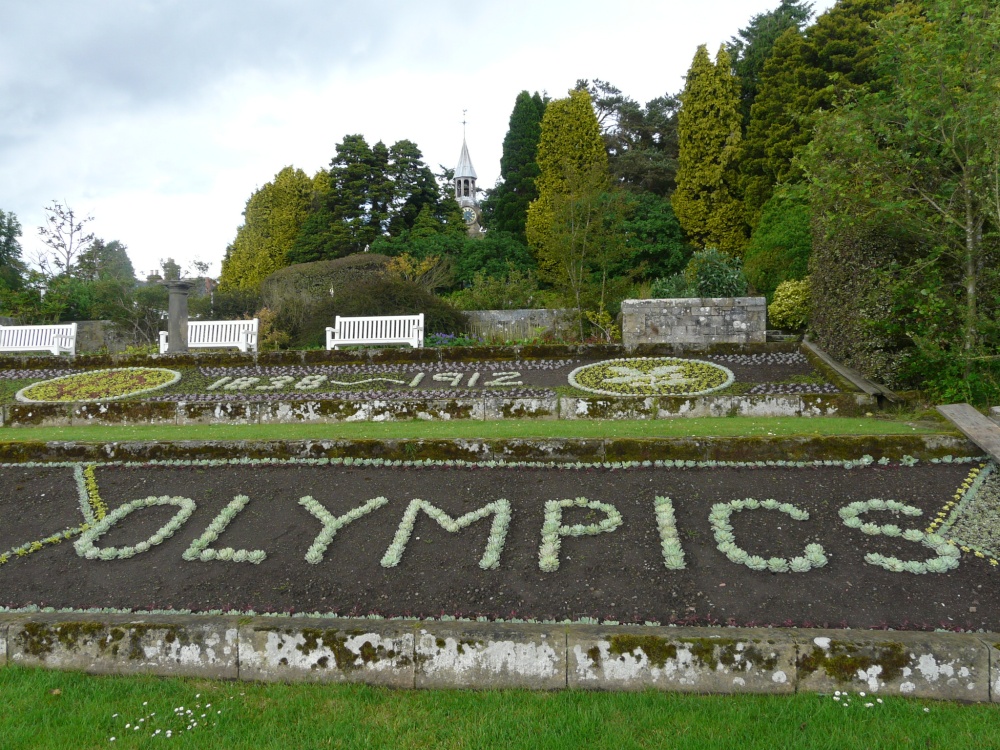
(177,315)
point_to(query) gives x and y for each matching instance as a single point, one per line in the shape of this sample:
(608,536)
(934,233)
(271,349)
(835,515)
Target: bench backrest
(382,328)
(222,332)
(39,337)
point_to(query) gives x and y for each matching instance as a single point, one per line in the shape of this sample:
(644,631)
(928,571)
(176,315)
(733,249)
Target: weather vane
(463,122)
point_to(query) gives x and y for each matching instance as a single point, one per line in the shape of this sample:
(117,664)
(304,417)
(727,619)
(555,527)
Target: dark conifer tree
(506,208)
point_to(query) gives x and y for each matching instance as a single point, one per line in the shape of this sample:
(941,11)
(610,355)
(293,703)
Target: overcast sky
(160,117)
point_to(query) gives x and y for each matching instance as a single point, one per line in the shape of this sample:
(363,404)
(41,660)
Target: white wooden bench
(50,338)
(216,334)
(387,329)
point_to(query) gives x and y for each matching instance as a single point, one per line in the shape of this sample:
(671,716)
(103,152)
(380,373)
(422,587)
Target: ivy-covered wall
(851,302)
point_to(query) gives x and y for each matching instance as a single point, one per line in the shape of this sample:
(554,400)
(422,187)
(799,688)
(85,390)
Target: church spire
(465,174)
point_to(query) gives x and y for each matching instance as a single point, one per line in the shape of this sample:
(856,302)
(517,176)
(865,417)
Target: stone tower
(465,190)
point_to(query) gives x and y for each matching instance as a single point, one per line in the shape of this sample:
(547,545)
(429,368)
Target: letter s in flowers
(947,554)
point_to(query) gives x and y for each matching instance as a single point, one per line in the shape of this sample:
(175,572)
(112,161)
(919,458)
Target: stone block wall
(514,325)
(715,320)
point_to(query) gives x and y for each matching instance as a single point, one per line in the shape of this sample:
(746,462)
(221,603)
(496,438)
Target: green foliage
(12,270)
(104,261)
(709,273)
(790,308)
(491,254)
(849,278)
(515,290)
(654,241)
(506,207)
(780,246)
(709,134)
(752,47)
(272,219)
(806,73)
(570,152)
(294,292)
(641,141)
(923,158)
(370,191)
(225,304)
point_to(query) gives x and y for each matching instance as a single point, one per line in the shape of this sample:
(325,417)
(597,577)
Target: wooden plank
(974,426)
(851,375)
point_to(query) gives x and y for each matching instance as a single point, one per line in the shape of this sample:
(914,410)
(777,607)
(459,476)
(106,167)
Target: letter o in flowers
(85,546)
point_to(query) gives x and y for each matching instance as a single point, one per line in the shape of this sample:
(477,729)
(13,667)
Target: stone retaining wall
(465,654)
(716,320)
(516,325)
(486,407)
(555,450)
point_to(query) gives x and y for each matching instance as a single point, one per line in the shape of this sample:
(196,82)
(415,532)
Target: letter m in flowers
(494,545)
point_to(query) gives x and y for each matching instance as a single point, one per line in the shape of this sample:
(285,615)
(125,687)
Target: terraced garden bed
(859,544)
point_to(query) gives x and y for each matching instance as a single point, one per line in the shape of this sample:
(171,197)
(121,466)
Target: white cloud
(160,117)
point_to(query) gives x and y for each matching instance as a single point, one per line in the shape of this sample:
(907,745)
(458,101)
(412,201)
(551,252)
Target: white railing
(216,334)
(388,329)
(52,338)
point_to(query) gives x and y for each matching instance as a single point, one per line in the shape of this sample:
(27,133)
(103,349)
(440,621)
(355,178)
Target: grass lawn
(47,709)
(660,428)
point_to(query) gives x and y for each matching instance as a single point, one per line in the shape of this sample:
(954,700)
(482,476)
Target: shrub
(517,290)
(709,273)
(296,292)
(790,309)
(780,247)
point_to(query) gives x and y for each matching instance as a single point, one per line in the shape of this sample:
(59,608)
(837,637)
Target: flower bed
(99,385)
(859,543)
(775,373)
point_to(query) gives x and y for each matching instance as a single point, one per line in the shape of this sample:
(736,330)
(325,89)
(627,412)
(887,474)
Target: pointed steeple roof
(465,168)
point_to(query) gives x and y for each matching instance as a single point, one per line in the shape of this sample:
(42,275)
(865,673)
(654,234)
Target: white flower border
(730,377)
(19,396)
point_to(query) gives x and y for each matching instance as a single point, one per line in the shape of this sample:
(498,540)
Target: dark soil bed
(618,575)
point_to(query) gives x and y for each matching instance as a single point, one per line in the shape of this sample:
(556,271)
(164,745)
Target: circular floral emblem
(651,376)
(99,385)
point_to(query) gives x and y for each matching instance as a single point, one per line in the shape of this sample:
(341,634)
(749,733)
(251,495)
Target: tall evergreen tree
(752,46)
(11,267)
(273,216)
(506,207)
(806,73)
(708,128)
(570,151)
(371,191)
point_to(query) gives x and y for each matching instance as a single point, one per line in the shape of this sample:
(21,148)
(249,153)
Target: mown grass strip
(696,427)
(46,710)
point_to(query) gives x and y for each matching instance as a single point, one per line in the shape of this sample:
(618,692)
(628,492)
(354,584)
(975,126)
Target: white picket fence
(58,339)
(387,329)
(217,334)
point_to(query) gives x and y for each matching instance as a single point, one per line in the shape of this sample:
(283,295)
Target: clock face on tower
(469,215)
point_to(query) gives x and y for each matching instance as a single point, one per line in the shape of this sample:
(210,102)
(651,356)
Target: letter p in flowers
(553,529)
